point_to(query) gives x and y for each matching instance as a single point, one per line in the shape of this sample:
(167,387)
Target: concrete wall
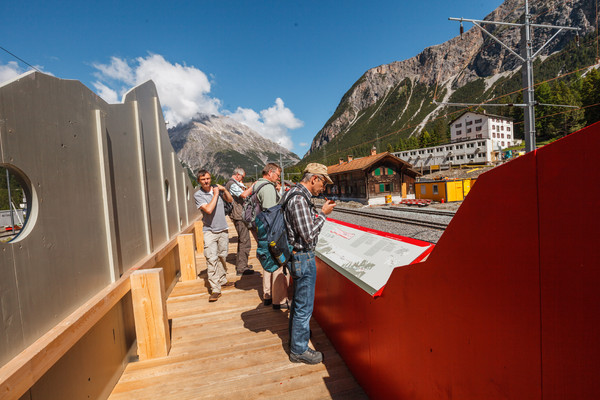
(105,190)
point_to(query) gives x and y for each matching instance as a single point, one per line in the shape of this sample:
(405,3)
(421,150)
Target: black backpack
(252,206)
(226,205)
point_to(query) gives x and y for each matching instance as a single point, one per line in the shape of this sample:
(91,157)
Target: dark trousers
(243,246)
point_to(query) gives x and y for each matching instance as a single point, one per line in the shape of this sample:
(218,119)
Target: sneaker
(282,306)
(310,356)
(214,297)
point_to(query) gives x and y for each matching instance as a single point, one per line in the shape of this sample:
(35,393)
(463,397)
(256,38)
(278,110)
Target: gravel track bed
(411,231)
(402,229)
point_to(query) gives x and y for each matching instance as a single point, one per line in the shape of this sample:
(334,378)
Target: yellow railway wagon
(455,190)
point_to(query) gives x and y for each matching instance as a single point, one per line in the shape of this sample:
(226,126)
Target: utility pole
(12,217)
(527,56)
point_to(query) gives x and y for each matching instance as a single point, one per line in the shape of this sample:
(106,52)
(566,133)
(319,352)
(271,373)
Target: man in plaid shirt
(304,223)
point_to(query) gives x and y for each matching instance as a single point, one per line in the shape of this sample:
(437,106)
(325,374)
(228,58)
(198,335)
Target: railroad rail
(423,211)
(393,218)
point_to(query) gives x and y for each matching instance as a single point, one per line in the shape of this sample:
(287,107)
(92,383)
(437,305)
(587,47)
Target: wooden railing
(24,370)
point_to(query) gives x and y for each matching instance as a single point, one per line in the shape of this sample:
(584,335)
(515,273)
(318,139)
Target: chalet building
(370,179)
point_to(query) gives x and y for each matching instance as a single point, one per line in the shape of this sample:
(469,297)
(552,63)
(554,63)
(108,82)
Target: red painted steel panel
(570,259)
(463,324)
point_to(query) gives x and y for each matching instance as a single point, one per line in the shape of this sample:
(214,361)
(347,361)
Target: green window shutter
(390,171)
(378,172)
(381,188)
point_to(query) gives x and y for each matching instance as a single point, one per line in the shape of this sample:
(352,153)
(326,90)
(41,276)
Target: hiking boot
(310,356)
(214,297)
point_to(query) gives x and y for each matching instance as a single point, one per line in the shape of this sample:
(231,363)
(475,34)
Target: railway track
(395,218)
(423,211)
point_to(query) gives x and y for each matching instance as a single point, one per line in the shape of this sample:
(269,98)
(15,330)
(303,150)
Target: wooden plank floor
(233,348)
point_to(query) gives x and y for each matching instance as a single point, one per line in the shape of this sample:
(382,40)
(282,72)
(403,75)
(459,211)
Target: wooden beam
(199,236)
(187,257)
(150,313)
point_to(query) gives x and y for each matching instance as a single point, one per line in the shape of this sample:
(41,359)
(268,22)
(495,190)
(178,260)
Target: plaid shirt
(302,220)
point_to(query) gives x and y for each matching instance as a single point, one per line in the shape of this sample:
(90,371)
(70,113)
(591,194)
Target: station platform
(233,348)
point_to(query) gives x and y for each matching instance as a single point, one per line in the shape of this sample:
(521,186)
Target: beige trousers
(215,251)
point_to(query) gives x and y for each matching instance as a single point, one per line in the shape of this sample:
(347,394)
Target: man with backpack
(275,285)
(303,224)
(237,188)
(215,230)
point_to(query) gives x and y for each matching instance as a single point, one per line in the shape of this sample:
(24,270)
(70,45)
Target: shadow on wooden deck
(233,348)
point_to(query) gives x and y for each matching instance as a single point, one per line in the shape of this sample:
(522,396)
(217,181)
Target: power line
(20,59)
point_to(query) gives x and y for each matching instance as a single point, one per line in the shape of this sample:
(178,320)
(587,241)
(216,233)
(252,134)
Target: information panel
(365,256)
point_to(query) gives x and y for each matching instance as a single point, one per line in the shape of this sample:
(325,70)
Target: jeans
(304,272)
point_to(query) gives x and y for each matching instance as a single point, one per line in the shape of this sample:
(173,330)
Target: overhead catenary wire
(20,59)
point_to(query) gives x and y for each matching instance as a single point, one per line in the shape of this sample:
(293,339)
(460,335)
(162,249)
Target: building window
(423,189)
(448,148)
(480,143)
(478,121)
(439,149)
(458,132)
(494,135)
(502,143)
(508,128)
(458,125)
(477,128)
(435,189)
(469,123)
(501,127)
(468,130)
(412,153)
(421,151)
(502,135)
(459,146)
(508,136)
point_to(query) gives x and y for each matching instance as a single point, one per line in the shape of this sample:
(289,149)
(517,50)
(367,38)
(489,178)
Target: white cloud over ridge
(184,91)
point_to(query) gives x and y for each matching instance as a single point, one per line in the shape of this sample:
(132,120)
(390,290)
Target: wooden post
(187,257)
(150,313)
(199,236)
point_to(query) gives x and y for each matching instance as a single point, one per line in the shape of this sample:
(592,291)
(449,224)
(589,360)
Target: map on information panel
(366,257)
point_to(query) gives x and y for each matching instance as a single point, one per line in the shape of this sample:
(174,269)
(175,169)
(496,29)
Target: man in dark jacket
(236,188)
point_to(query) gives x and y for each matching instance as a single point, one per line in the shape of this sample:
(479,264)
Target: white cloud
(184,91)
(109,95)
(303,144)
(274,123)
(10,71)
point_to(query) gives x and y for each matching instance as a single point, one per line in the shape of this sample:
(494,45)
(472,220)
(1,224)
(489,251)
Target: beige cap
(320,169)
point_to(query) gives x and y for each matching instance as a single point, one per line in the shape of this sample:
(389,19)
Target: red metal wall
(507,306)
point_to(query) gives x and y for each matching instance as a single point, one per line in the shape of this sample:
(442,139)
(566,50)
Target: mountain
(219,144)
(395,100)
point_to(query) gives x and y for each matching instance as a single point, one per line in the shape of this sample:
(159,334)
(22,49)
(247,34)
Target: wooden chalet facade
(370,179)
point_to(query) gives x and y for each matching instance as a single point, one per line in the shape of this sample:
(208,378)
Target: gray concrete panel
(11,335)
(62,261)
(145,95)
(127,182)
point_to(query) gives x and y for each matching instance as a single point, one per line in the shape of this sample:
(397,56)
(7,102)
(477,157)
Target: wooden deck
(233,348)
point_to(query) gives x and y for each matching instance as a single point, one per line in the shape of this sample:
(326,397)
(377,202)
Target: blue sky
(281,67)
